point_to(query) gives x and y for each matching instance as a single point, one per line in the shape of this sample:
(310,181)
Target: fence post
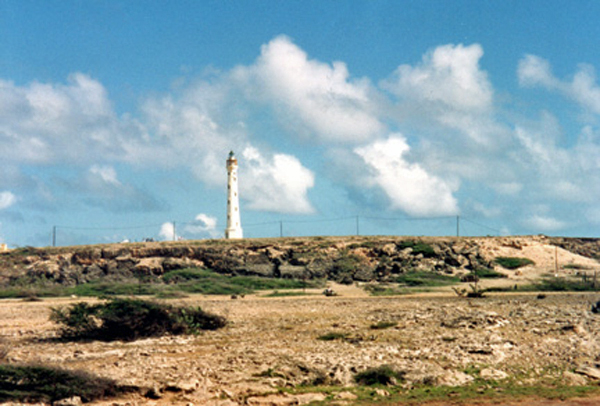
(280,228)
(357,227)
(458,226)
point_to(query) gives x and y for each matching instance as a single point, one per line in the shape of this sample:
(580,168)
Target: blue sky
(375,117)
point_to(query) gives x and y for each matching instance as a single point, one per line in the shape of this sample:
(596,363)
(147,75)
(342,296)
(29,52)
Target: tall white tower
(234,224)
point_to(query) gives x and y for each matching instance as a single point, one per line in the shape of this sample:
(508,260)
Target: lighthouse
(234,224)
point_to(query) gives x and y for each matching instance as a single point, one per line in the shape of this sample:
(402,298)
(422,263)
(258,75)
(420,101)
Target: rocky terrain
(340,259)
(434,338)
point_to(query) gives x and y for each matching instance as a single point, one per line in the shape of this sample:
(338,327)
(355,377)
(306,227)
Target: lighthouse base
(231,233)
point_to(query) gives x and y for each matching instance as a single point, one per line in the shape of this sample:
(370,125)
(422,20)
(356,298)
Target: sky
(347,117)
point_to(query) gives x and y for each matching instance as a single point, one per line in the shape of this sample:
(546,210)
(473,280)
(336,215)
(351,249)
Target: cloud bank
(431,139)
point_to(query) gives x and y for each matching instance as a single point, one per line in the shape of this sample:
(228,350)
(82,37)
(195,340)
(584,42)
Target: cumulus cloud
(7,199)
(448,94)
(555,172)
(167,232)
(407,185)
(449,75)
(43,123)
(311,94)
(277,184)
(582,88)
(545,223)
(190,129)
(100,187)
(204,224)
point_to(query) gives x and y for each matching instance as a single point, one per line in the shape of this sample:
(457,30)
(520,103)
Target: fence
(350,225)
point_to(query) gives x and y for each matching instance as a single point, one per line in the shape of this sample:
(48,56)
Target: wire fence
(338,226)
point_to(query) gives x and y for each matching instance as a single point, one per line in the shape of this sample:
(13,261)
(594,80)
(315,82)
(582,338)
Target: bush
(333,336)
(130,319)
(431,279)
(564,285)
(382,375)
(383,325)
(513,262)
(488,273)
(418,247)
(44,384)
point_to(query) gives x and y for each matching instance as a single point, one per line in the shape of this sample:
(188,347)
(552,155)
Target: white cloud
(536,71)
(100,187)
(59,123)
(167,231)
(7,199)
(545,223)
(449,75)
(449,96)
(408,186)
(533,70)
(204,224)
(311,94)
(106,173)
(278,184)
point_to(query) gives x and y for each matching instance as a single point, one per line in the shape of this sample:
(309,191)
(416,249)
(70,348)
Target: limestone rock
(589,371)
(493,374)
(454,378)
(73,401)
(346,396)
(574,379)
(272,400)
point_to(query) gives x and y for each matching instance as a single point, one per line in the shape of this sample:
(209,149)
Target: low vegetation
(382,375)
(418,247)
(386,290)
(551,284)
(172,284)
(334,335)
(382,325)
(426,279)
(35,383)
(513,262)
(131,319)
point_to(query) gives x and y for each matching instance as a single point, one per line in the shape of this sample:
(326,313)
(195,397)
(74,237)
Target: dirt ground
(273,342)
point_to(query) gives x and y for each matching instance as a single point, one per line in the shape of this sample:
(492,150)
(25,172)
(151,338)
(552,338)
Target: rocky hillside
(340,259)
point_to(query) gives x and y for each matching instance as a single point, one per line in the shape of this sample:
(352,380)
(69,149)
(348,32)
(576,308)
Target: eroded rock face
(341,259)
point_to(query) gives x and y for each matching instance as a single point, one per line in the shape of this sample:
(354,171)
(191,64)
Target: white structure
(234,224)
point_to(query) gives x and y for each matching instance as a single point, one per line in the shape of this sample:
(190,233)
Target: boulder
(267,270)
(293,271)
(149,266)
(72,401)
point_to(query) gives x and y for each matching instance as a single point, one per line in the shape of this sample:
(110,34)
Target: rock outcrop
(341,259)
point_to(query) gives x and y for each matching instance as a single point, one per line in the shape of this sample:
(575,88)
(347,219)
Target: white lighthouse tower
(234,224)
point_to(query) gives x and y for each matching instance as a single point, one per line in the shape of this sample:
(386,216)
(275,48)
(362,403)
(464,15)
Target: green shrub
(488,273)
(513,262)
(563,285)
(333,336)
(431,279)
(385,290)
(130,319)
(418,247)
(382,375)
(187,274)
(43,384)
(383,325)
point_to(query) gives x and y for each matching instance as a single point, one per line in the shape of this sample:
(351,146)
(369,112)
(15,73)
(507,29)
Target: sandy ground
(273,342)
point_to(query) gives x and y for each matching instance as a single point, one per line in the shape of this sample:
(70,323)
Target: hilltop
(339,259)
